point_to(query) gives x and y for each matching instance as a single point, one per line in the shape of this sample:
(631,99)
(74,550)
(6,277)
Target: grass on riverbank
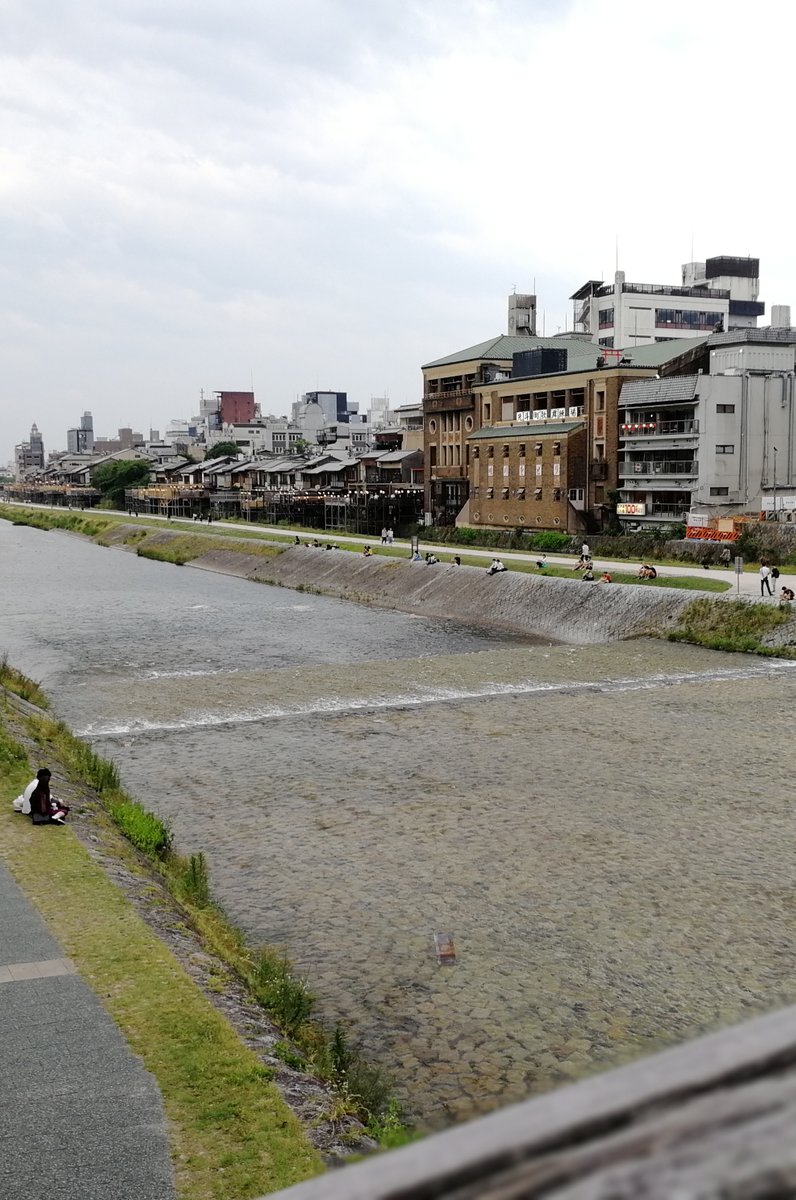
(20,685)
(182,548)
(233,1136)
(733,625)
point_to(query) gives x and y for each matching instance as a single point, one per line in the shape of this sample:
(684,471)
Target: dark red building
(236,408)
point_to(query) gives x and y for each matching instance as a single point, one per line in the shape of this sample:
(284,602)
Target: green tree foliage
(223,450)
(113,477)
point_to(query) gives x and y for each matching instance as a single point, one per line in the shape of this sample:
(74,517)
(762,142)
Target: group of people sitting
(647,571)
(496,567)
(39,804)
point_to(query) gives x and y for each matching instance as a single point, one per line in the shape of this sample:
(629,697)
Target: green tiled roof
(582,355)
(527,429)
(500,349)
(655,355)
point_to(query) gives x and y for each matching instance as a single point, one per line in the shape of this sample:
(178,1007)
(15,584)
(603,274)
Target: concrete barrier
(560,609)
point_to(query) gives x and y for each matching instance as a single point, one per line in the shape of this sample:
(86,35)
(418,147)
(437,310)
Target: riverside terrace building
(583,386)
(716,436)
(451,413)
(719,294)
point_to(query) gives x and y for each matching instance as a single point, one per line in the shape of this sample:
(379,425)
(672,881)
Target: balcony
(652,467)
(445,401)
(645,429)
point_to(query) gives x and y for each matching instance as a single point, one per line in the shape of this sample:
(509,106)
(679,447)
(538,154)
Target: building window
(601,402)
(556,493)
(683,318)
(608,342)
(490,453)
(606,318)
(522,449)
(490,493)
(474,493)
(520,493)
(538,469)
(432,426)
(504,493)
(725,408)
(725,449)
(487,412)
(576,493)
(720,491)
(468,424)
(505,451)
(537,493)
(556,449)
(476,452)
(521,470)
(538,449)
(505,470)
(490,470)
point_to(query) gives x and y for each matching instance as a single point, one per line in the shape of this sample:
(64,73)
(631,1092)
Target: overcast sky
(328,193)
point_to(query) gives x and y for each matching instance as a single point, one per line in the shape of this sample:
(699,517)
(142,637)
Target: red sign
(699,533)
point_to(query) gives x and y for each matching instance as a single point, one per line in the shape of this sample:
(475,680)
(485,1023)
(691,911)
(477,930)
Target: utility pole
(776,517)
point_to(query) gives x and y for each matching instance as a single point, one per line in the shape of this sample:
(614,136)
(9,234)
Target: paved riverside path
(80,1118)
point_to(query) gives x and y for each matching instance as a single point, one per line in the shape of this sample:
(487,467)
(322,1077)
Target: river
(606,831)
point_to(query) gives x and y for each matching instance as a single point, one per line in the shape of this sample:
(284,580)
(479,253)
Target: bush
(192,880)
(288,999)
(550,540)
(147,832)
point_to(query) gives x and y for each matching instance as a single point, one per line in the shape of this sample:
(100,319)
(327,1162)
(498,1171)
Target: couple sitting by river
(37,803)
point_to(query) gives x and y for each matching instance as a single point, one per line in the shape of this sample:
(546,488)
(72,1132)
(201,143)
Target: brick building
(524,476)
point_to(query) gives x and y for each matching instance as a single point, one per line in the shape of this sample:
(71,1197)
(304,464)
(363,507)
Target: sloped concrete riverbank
(560,609)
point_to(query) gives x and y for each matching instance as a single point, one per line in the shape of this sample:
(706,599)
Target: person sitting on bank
(588,575)
(647,571)
(785,596)
(457,562)
(37,802)
(496,567)
(366,552)
(605,578)
(431,559)
(541,563)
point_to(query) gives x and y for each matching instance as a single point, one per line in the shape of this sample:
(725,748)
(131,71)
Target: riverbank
(186,992)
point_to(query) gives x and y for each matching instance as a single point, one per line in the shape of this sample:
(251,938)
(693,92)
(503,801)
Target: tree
(112,478)
(223,450)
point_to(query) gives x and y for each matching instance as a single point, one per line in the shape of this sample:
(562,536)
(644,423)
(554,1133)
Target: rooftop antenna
(617,252)
(692,245)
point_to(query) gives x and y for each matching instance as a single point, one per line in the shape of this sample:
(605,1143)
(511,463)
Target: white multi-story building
(719,294)
(718,440)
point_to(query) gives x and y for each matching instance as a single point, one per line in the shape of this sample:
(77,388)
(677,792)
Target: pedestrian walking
(765,579)
(384,535)
(585,552)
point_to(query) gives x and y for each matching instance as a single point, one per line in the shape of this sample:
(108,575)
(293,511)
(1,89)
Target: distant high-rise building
(29,456)
(81,440)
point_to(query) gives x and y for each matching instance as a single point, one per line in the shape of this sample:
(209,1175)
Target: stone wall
(560,609)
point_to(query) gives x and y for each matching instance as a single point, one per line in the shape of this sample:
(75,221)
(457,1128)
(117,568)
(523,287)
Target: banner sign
(699,533)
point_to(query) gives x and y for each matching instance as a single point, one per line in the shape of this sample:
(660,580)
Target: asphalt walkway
(80,1118)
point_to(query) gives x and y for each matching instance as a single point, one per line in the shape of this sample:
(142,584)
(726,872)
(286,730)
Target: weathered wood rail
(715,1118)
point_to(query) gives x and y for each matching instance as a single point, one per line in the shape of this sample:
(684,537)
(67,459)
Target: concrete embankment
(561,609)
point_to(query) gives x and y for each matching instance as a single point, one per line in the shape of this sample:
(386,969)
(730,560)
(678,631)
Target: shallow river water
(606,831)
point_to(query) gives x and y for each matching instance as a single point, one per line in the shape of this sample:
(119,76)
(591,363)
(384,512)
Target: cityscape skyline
(331,196)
